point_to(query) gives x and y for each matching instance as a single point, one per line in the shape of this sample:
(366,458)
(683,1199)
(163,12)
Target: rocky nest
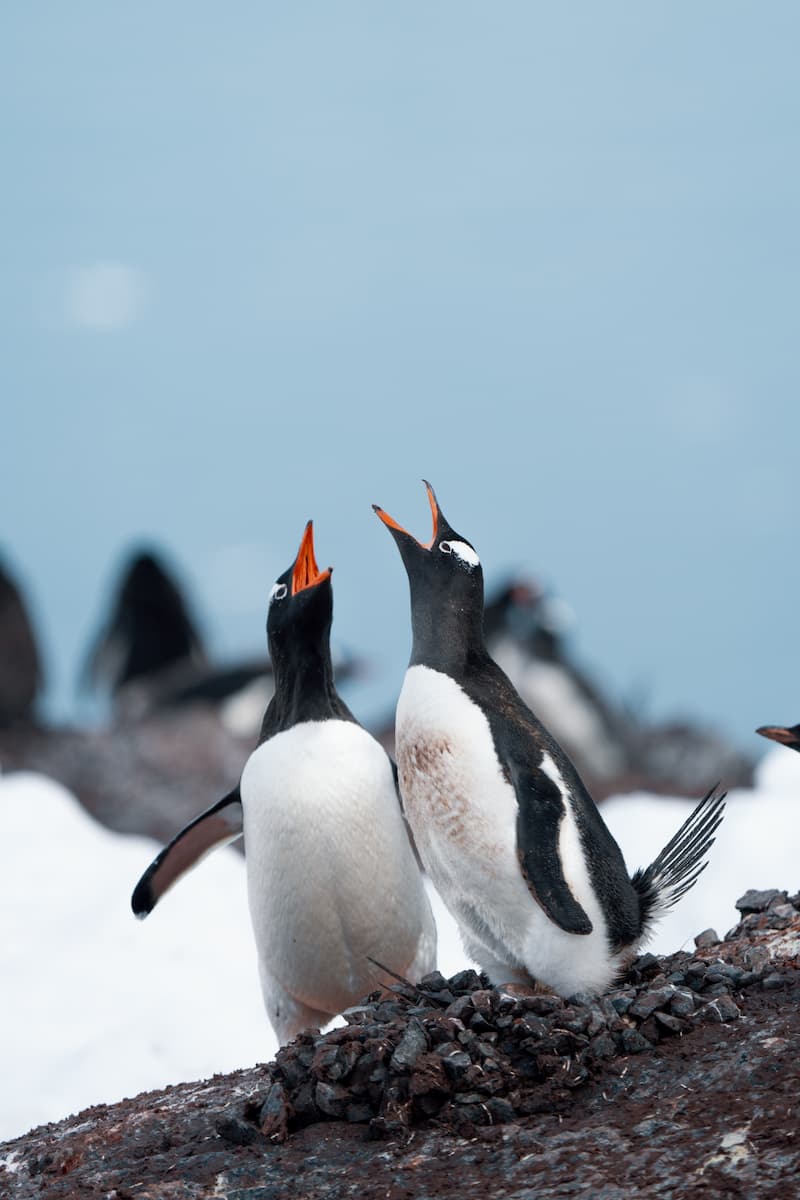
(459,1052)
(683,1081)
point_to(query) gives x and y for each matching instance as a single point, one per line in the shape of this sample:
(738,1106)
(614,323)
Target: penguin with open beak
(333,885)
(503,824)
(787,735)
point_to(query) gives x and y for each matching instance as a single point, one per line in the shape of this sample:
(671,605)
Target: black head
(150,626)
(300,603)
(446,583)
(787,736)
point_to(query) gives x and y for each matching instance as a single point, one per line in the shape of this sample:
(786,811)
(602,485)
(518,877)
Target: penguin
(149,633)
(786,735)
(333,885)
(524,629)
(153,659)
(503,824)
(21,675)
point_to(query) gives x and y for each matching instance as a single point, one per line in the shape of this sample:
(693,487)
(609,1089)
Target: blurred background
(279,263)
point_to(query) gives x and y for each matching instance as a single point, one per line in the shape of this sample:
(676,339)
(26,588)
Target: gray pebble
(719,1010)
(648,1002)
(754,901)
(411,1045)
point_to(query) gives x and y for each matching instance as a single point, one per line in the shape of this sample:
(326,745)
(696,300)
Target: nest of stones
(460,1052)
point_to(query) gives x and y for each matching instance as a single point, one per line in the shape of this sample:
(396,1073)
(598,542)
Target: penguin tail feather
(677,867)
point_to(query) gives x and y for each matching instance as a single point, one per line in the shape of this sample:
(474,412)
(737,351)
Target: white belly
(330,872)
(463,814)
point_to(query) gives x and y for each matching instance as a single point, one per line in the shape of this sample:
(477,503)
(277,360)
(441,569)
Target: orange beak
(306,573)
(390,522)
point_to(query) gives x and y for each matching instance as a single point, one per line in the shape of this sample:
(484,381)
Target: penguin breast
(330,872)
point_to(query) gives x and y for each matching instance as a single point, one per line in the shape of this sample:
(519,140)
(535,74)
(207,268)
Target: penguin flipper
(540,811)
(217,826)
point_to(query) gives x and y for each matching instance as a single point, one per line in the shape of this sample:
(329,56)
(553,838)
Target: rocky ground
(683,1081)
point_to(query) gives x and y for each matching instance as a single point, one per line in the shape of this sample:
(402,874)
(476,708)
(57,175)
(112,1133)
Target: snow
(757,846)
(97,1006)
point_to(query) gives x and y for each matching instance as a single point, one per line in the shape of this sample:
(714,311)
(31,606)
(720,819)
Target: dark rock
(358,1113)
(643,967)
(772,982)
(275,1113)
(461,1009)
(633,1042)
(455,1060)
(651,1030)
(429,1085)
(648,1002)
(784,912)
(682,1003)
(435,982)
(236,1131)
(756,902)
(465,982)
(670,1022)
(331,1099)
(719,1010)
(542,1005)
(596,1021)
(721,970)
(603,1046)
(500,1110)
(412,1044)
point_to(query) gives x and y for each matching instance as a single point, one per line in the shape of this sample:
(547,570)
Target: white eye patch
(462,551)
(278,592)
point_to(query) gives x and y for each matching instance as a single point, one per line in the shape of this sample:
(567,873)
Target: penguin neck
(304,688)
(449,639)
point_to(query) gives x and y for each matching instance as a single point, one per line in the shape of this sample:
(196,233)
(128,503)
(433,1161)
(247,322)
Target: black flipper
(541,810)
(677,867)
(217,826)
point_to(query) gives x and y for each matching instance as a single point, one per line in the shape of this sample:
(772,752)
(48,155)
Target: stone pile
(462,1054)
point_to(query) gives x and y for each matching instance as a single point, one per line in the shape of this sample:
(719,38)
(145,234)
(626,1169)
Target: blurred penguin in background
(21,676)
(526,631)
(152,659)
(149,640)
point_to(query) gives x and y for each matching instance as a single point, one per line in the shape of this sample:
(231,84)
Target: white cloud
(105,296)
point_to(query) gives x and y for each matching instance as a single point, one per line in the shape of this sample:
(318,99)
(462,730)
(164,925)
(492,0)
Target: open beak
(787,737)
(306,573)
(392,525)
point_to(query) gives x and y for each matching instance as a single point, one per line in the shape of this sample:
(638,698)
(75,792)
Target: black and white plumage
(502,821)
(332,881)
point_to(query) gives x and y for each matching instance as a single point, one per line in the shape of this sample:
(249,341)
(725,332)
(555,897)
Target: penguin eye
(463,552)
(278,592)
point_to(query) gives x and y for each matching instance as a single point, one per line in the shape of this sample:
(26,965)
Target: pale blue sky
(272,262)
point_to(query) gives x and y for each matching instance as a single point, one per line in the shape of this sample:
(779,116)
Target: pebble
(412,1044)
(648,1002)
(720,1010)
(755,902)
